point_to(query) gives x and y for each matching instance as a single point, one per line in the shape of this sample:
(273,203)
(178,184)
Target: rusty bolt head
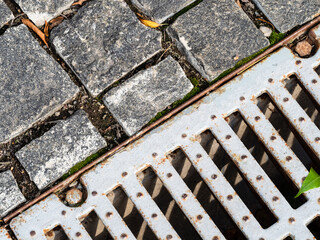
(214,176)
(259,178)
(74,196)
(229,197)
(291,220)
(199,217)
(154,215)
(245,218)
(124,235)
(303,48)
(314,81)
(169,237)
(32,233)
(184,196)
(169,175)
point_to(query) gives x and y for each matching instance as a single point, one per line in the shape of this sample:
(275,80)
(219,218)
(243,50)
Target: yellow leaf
(150,23)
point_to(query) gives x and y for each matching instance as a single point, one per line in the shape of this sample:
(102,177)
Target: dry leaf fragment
(46,29)
(28,23)
(150,23)
(80,2)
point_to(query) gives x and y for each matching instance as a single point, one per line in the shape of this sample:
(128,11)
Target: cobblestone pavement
(104,75)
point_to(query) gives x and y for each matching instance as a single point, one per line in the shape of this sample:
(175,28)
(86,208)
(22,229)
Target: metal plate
(4,234)
(181,132)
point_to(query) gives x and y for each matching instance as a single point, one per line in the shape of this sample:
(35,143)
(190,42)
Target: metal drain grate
(156,168)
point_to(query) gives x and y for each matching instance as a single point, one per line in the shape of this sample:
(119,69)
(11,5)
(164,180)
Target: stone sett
(10,195)
(40,11)
(5,13)
(103,42)
(33,85)
(69,142)
(145,94)
(215,35)
(287,14)
(161,10)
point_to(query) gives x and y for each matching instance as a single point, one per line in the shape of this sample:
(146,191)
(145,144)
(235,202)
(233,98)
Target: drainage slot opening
(201,191)
(227,167)
(57,233)
(314,227)
(95,228)
(167,204)
(130,214)
(265,159)
(288,238)
(305,100)
(287,132)
(317,70)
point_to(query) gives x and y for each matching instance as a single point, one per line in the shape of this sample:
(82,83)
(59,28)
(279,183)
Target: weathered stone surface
(287,14)
(5,13)
(71,141)
(10,195)
(214,35)
(141,97)
(32,85)
(161,10)
(103,42)
(40,11)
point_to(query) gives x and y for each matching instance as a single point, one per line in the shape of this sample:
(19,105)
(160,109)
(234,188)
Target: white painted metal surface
(4,235)
(181,132)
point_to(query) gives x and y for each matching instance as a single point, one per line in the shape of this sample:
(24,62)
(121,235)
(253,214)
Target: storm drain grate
(227,167)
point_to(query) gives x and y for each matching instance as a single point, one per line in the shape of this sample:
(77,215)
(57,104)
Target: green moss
(80,165)
(238,64)
(273,39)
(177,103)
(276,37)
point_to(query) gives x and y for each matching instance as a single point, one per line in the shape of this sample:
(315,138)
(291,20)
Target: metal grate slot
(130,214)
(317,69)
(95,228)
(200,190)
(288,133)
(167,204)
(265,159)
(306,101)
(57,233)
(288,238)
(227,167)
(314,227)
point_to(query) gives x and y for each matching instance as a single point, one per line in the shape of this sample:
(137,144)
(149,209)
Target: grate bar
(147,207)
(187,201)
(297,116)
(220,187)
(277,147)
(112,219)
(308,76)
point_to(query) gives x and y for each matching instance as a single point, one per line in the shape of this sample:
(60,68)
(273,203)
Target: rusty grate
(227,167)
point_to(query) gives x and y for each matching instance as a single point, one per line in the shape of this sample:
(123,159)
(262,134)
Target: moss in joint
(177,103)
(85,162)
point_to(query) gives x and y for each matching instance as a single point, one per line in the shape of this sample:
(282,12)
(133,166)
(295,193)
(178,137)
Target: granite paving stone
(10,195)
(103,42)
(40,11)
(161,10)
(33,85)
(145,94)
(287,14)
(5,13)
(69,142)
(214,35)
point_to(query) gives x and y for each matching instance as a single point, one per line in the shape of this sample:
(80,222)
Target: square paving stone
(214,35)
(5,13)
(287,14)
(141,97)
(161,10)
(69,142)
(10,195)
(40,11)
(33,85)
(103,42)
